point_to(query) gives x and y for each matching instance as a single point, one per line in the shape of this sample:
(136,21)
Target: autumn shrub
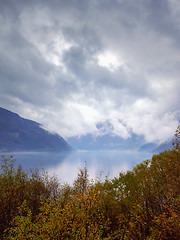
(140,204)
(79,219)
(16,186)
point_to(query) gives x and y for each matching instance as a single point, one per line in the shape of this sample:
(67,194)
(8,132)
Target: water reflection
(33,160)
(66,165)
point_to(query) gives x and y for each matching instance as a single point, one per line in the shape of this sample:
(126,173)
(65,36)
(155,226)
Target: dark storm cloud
(92,60)
(160,18)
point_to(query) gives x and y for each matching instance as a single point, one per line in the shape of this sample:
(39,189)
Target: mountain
(164,146)
(19,134)
(110,142)
(105,140)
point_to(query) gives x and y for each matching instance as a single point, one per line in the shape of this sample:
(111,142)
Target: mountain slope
(104,138)
(19,134)
(110,142)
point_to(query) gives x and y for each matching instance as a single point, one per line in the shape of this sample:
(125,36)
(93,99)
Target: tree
(176,140)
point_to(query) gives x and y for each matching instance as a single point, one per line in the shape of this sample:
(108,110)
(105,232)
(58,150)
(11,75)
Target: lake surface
(66,165)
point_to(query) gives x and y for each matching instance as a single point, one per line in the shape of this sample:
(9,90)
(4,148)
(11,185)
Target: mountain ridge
(20,134)
(111,142)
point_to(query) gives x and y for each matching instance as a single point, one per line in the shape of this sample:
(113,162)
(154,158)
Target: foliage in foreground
(140,204)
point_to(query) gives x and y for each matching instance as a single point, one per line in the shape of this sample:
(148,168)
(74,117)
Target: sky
(74,64)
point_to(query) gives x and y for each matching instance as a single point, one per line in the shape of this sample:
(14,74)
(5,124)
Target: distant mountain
(19,134)
(164,146)
(104,140)
(110,142)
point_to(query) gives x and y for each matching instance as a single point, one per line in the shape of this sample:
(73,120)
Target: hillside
(19,134)
(108,141)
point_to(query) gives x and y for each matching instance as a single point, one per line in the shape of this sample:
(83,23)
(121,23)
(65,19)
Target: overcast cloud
(70,64)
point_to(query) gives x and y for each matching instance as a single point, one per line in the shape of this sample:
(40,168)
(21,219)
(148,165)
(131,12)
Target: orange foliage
(140,204)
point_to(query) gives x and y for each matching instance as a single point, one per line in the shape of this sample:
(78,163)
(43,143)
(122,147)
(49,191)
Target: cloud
(72,64)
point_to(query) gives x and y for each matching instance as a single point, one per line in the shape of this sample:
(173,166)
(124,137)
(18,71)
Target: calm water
(66,165)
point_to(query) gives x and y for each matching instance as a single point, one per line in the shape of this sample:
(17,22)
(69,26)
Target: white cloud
(109,60)
(68,65)
(50,43)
